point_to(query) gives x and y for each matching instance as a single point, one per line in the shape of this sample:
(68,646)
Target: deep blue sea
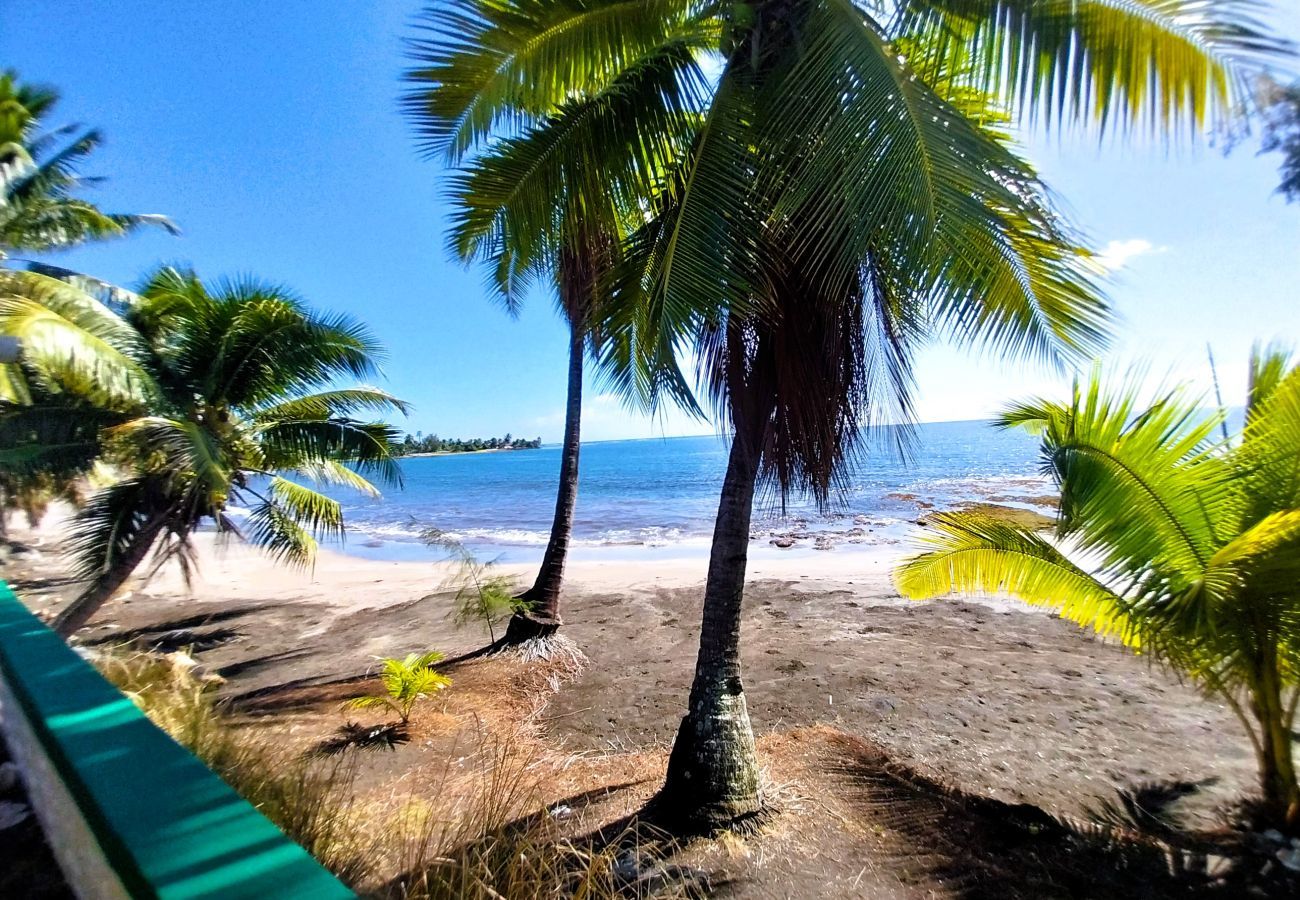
(658,496)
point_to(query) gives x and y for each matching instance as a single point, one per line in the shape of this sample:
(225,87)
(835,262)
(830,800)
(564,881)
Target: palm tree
(550,201)
(40,206)
(848,191)
(41,210)
(211,396)
(1186,546)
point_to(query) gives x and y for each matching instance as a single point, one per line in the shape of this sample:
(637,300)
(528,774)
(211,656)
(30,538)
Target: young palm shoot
(1188,547)
(406,682)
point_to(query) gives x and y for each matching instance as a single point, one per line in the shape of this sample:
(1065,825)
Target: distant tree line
(431,443)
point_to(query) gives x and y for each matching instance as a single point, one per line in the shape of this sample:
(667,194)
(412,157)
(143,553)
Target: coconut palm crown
(1181,544)
(203,398)
(41,207)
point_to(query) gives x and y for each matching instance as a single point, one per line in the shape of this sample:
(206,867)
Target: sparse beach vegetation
(755,214)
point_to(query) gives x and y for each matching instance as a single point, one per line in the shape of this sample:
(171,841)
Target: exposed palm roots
(553,648)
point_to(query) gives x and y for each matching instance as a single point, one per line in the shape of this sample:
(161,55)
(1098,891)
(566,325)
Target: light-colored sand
(229,569)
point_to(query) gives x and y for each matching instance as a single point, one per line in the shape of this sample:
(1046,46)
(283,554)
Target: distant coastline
(420,444)
(425,453)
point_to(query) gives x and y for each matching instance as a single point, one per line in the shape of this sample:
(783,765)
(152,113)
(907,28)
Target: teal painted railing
(128,811)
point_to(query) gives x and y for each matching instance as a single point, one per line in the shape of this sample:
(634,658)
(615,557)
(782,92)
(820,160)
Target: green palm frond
(39,182)
(373,703)
(1116,460)
(324,404)
(248,343)
(179,450)
(577,172)
(52,436)
(969,553)
(488,67)
(1267,459)
(276,532)
(71,343)
(332,472)
(1265,556)
(367,446)
(117,524)
(696,257)
(1160,64)
(321,515)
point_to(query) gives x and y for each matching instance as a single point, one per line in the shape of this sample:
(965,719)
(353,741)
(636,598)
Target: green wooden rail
(136,814)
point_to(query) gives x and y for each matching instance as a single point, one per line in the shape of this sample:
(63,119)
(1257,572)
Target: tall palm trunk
(713,776)
(542,617)
(102,589)
(578,275)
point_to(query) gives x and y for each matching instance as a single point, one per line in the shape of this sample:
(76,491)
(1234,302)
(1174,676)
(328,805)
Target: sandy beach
(990,698)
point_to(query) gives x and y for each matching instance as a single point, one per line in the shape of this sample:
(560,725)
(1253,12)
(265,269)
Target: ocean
(657,497)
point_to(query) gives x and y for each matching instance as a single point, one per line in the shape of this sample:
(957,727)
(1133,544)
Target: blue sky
(270,133)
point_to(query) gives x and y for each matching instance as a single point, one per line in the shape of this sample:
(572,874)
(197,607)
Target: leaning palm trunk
(542,616)
(713,778)
(103,586)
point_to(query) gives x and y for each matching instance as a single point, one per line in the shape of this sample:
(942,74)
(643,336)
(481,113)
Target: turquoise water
(658,496)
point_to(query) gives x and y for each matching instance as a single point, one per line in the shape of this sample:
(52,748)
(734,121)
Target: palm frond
(325,404)
(72,343)
(321,515)
(1116,459)
(288,446)
(110,528)
(177,450)
(969,553)
(1268,461)
(329,471)
(1166,65)
(579,172)
(490,67)
(39,182)
(52,436)
(247,343)
(274,530)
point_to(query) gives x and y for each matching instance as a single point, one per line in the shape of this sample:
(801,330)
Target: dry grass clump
(498,840)
(482,834)
(310,800)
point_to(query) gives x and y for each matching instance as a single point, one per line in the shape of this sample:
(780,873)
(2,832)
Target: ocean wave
(648,536)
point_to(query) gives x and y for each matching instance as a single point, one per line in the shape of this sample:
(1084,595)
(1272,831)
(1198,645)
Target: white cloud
(1117,254)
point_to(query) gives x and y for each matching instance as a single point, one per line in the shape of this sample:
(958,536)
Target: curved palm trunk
(102,589)
(542,617)
(712,778)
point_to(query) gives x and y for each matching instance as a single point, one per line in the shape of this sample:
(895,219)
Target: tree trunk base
(713,782)
(529,626)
